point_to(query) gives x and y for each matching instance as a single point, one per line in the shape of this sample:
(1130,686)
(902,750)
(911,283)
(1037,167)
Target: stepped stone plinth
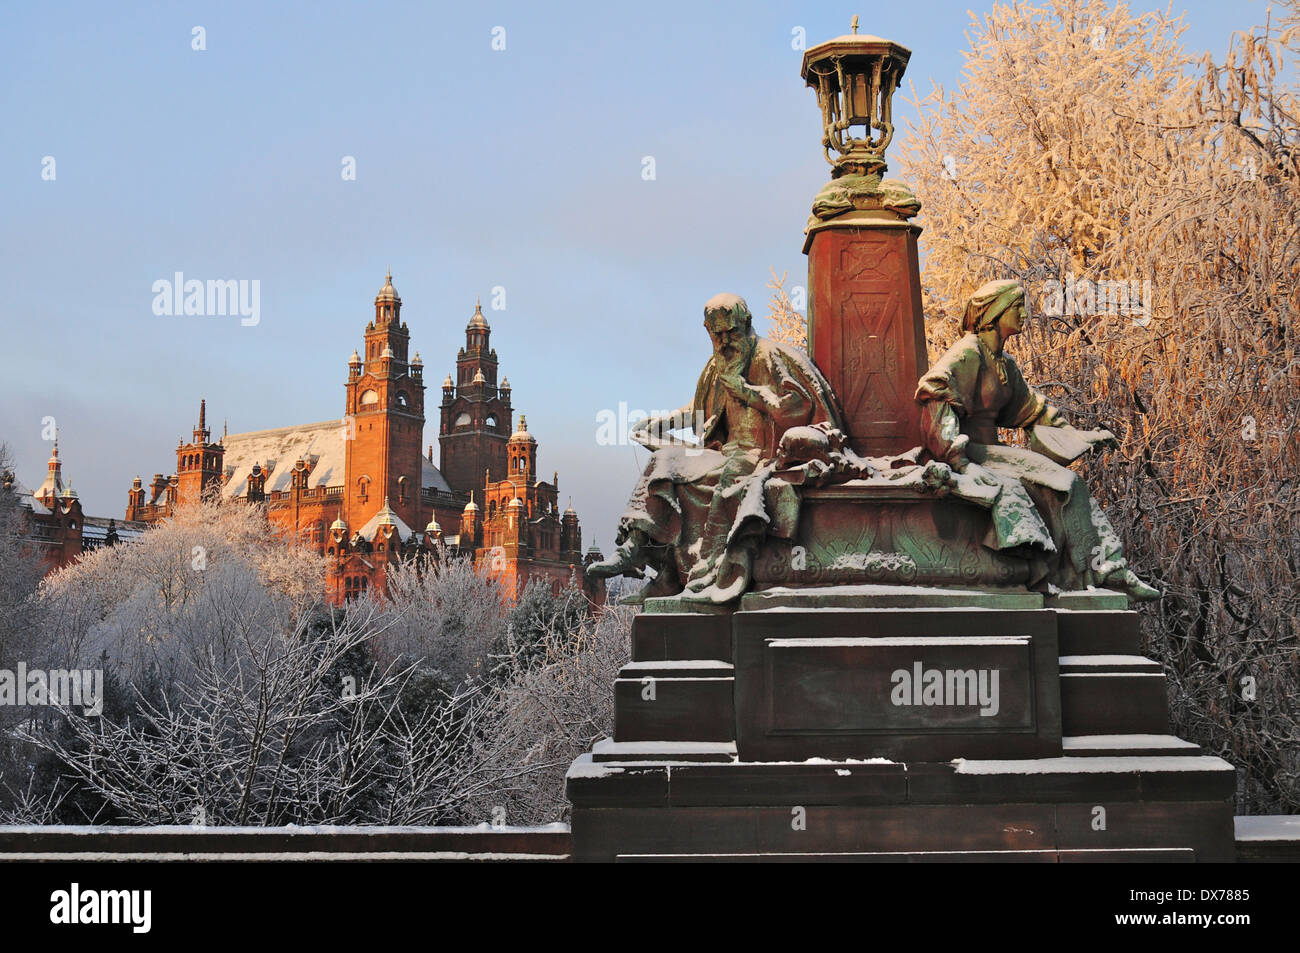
(799,738)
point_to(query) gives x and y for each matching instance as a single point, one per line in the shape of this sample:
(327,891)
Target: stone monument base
(897,723)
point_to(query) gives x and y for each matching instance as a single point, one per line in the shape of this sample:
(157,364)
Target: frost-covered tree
(235,696)
(787,323)
(1086,150)
(20,569)
(548,707)
(198,584)
(442,613)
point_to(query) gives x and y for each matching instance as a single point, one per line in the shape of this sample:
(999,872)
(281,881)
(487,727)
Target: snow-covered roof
(432,476)
(385,515)
(26,498)
(320,445)
(96,527)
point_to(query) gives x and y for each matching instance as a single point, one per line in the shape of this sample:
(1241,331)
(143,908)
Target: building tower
(384,422)
(476,414)
(199,462)
(471,527)
(49,491)
(521,451)
(570,534)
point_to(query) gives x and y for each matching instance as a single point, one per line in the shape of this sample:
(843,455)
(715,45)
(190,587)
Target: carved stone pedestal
(864,532)
(897,723)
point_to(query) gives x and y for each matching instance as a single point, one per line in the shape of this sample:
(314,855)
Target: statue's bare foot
(1127,581)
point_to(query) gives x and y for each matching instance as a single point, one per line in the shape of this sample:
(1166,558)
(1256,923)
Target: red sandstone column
(865,328)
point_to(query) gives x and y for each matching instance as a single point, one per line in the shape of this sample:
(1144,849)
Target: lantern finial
(855,77)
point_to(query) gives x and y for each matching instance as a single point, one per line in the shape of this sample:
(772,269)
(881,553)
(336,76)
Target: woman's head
(989,303)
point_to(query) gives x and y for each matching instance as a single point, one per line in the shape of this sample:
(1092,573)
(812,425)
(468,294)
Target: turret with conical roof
(521,451)
(471,527)
(388,303)
(387,332)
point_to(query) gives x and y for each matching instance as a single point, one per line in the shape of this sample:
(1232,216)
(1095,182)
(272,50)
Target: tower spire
(201,432)
(53,485)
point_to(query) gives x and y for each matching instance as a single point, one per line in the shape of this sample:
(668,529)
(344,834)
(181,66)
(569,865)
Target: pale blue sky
(475,168)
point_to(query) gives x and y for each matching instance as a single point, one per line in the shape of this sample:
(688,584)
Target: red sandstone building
(360,491)
(56,530)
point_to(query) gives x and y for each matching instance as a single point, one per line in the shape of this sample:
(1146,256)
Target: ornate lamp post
(865,327)
(855,77)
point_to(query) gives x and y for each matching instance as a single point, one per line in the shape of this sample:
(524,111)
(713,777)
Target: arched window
(463,420)
(369,398)
(491,420)
(402,399)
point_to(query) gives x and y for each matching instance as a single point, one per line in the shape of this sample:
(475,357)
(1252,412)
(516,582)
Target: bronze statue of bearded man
(699,512)
(1044,511)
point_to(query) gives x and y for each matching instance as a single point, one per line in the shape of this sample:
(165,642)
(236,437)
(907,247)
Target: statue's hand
(751,395)
(655,432)
(736,386)
(649,431)
(956,456)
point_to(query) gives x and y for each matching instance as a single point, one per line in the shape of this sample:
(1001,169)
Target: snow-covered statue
(699,512)
(1043,511)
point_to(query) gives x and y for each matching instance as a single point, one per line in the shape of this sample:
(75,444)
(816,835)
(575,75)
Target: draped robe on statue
(708,508)
(1044,511)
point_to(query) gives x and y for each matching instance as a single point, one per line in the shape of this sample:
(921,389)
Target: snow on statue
(1044,509)
(699,513)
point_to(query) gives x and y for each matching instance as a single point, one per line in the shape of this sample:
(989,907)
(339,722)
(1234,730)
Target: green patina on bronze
(863,192)
(774,492)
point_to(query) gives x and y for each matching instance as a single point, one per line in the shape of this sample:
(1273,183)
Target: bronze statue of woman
(1044,511)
